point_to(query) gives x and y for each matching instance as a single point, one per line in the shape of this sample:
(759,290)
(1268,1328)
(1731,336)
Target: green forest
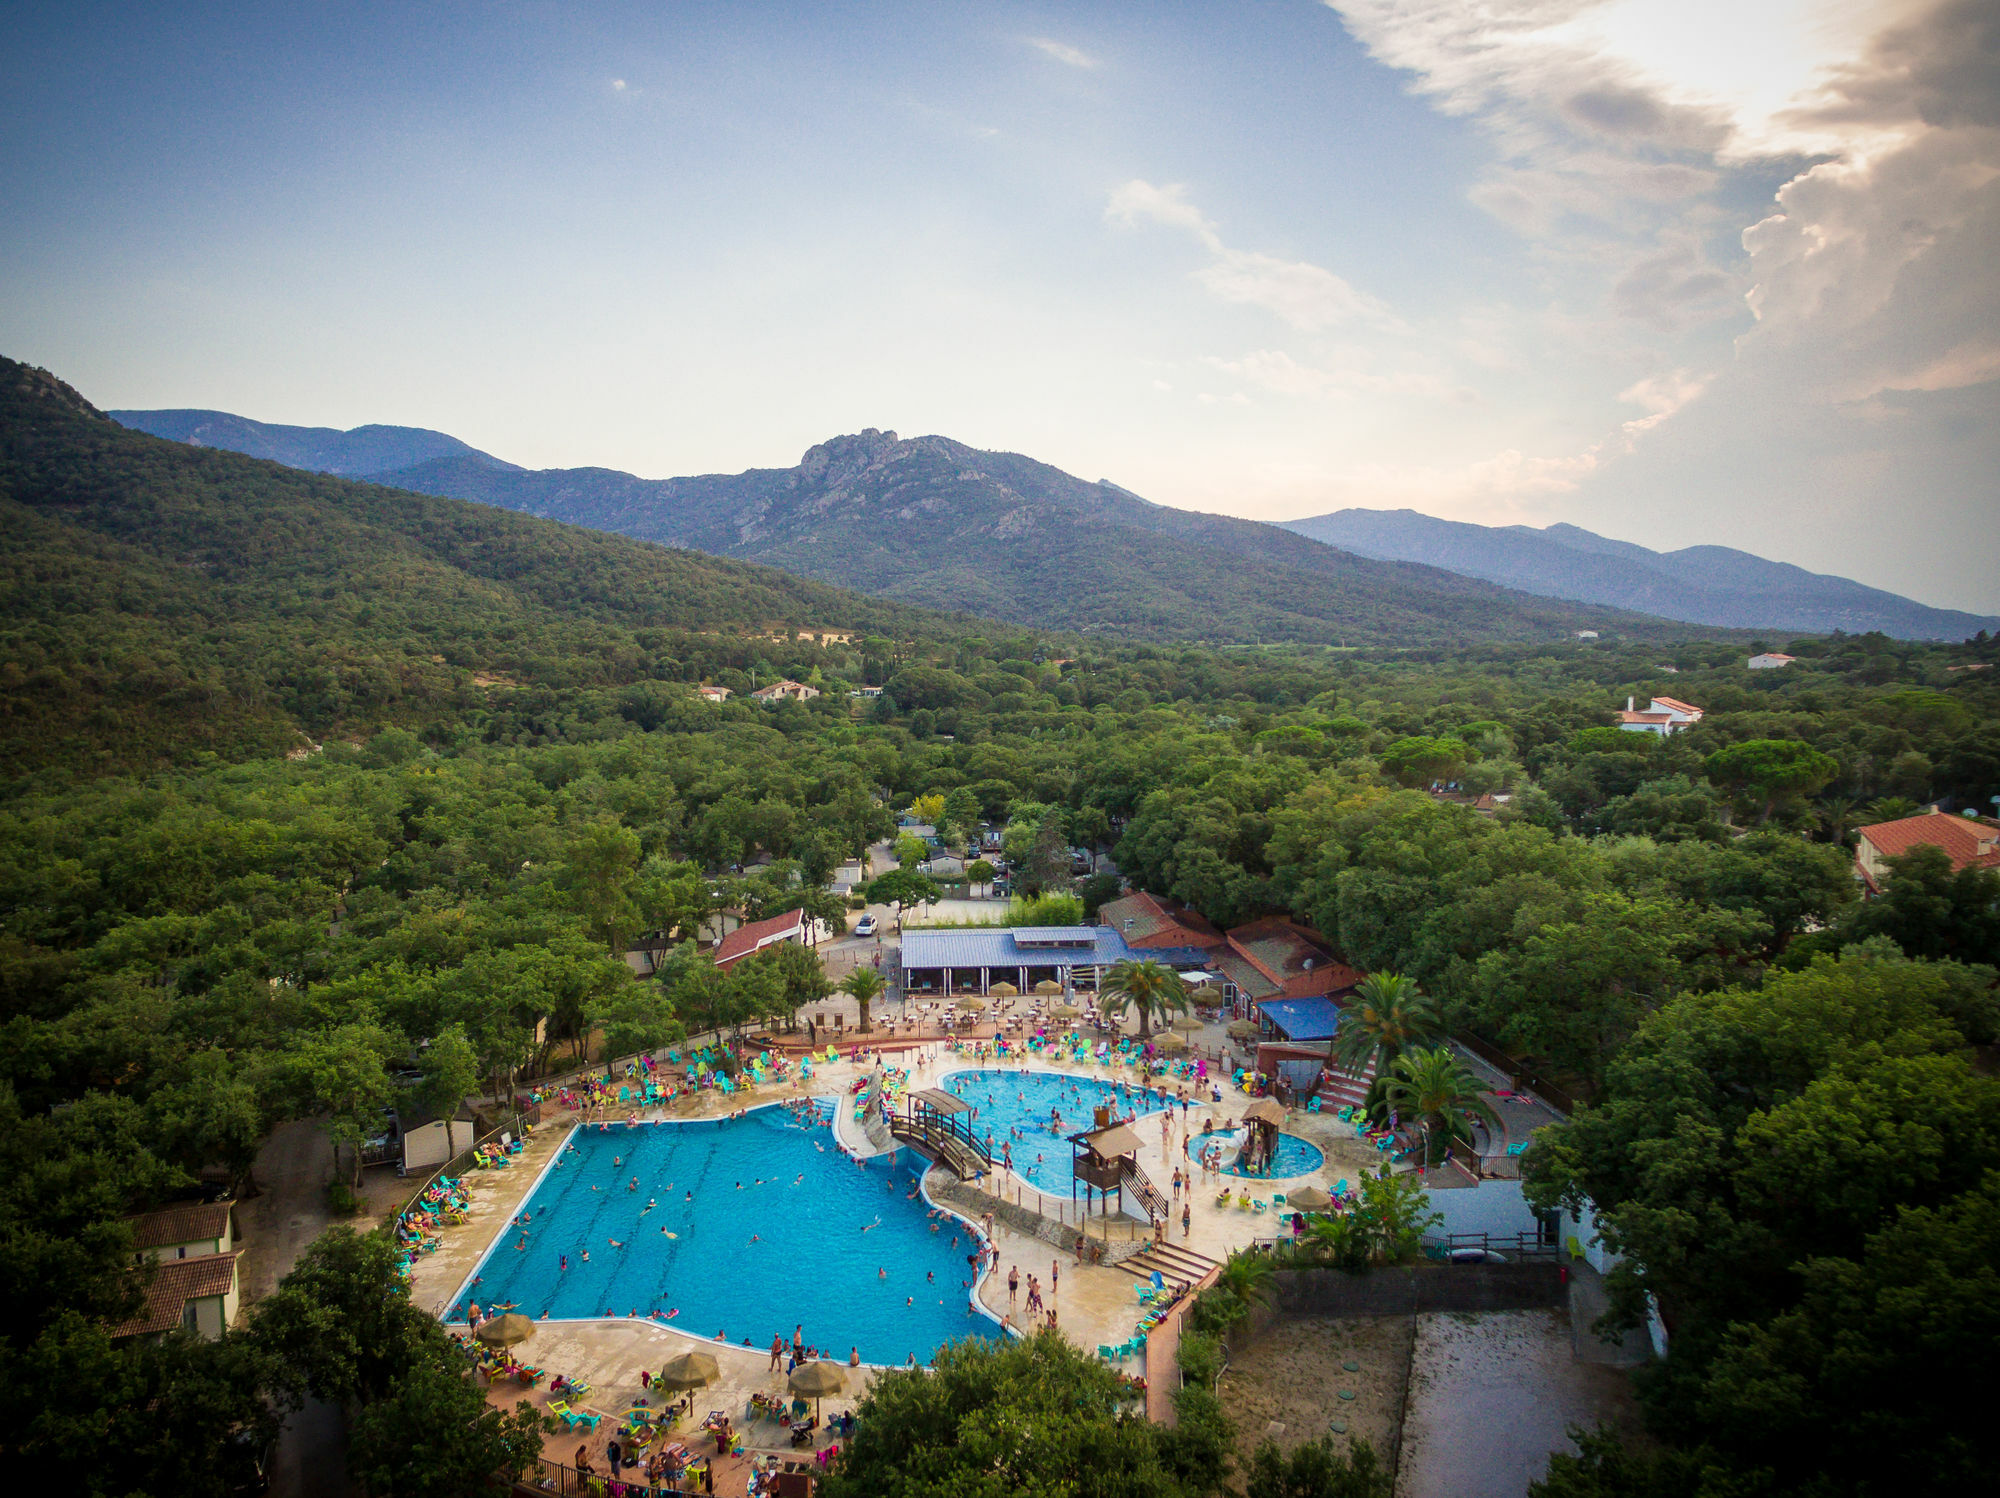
(311,783)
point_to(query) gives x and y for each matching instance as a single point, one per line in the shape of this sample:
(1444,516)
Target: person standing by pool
(1187,1219)
(777,1350)
(1013,1292)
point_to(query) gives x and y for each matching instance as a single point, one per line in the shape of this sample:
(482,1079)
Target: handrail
(1142,1186)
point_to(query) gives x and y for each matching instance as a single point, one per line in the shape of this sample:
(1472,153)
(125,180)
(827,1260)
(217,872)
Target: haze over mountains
(1706,584)
(931,521)
(934,522)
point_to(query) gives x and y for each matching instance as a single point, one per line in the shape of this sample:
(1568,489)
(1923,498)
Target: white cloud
(1309,297)
(1277,371)
(1062,52)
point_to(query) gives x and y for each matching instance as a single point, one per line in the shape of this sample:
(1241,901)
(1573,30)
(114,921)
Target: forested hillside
(158,599)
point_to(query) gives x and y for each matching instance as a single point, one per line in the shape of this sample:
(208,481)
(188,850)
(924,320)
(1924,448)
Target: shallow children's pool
(1293,1157)
(1019,1108)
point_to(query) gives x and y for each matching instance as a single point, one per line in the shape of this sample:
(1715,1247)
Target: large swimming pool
(1014,1107)
(746,1226)
(1293,1157)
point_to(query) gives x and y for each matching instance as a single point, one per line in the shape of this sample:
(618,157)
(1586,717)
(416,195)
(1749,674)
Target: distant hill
(1712,585)
(158,600)
(364,450)
(931,521)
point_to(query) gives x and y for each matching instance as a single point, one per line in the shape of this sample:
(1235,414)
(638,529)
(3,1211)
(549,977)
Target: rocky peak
(841,458)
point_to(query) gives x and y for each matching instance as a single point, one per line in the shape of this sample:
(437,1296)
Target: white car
(865,926)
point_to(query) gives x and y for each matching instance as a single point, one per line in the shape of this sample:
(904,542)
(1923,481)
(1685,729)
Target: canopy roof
(1108,1144)
(939,1101)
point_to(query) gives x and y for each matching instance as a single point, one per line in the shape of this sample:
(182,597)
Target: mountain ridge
(1718,586)
(931,521)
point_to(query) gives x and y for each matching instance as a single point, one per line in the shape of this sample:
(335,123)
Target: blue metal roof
(975,948)
(1302,1019)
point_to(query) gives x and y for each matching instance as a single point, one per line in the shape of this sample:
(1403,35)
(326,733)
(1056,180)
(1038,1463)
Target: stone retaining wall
(948,1190)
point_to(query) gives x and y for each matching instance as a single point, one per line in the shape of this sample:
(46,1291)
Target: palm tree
(1434,1087)
(1387,1015)
(1149,988)
(1247,1276)
(864,985)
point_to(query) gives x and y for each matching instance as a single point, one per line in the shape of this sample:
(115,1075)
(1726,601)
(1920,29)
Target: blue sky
(1678,272)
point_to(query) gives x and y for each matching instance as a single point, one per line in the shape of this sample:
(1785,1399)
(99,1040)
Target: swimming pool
(810,1237)
(1006,1101)
(1294,1157)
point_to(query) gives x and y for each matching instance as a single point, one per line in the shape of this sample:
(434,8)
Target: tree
(1047,867)
(451,1071)
(910,851)
(1145,987)
(990,1419)
(433,1435)
(1771,770)
(980,873)
(1422,760)
(900,887)
(928,810)
(1318,1469)
(960,813)
(800,973)
(1247,1275)
(340,1325)
(1385,1224)
(864,985)
(1604,1466)
(1387,1014)
(601,871)
(633,1017)
(1437,1090)
(340,1072)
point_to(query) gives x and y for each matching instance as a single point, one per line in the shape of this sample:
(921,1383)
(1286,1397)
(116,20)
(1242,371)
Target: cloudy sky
(1676,270)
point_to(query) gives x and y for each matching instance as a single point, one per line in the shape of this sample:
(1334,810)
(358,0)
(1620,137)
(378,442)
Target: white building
(1770,661)
(1663,716)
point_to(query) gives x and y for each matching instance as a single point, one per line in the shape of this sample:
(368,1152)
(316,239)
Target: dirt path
(1294,1374)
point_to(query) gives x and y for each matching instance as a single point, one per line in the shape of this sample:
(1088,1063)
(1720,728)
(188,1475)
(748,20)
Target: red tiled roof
(193,1223)
(178,1282)
(1677,705)
(1628,716)
(1280,950)
(1968,841)
(746,939)
(1157,922)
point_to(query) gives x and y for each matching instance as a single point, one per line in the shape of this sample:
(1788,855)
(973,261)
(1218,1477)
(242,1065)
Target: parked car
(865,926)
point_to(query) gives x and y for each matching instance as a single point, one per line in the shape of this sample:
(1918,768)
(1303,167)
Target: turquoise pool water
(1294,1156)
(1010,1101)
(844,1250)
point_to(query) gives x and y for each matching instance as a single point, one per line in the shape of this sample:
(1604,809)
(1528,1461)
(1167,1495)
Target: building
(714,694)
(1586,634)
(757,935)
(868,692)
(1279,959)
(786,691)
(958,961)
(1770,661)
(1146,921)
(196,1284)
(1664,716)
(1969,842)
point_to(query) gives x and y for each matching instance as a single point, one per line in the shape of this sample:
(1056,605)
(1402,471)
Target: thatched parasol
(1308,1199)
(1003,989)
(505,1331)
(1065,1011)
(1048,985)
(816,1381)
(688,1371)
(1243,1029)
(1170,1042)
(1187,1024)
(1265,1110)
(973,1004)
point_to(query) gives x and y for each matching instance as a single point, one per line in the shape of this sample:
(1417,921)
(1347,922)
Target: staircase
(1141,1185)
(1175,1265)
(1338,1090)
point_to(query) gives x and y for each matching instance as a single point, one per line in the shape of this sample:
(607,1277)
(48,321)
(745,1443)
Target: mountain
(159,600)
(1714,585)
(364,450)
(931,521)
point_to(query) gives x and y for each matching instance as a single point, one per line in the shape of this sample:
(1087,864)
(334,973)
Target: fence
(1525,1077)
(567,1482)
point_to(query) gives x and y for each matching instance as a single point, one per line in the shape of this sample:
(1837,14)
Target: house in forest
(1663,716)
(1969,842)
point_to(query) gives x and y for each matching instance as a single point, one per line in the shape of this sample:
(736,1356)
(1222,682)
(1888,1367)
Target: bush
(341,1200)
(1045,910)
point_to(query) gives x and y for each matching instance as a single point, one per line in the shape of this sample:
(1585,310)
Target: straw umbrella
(1243,1029)
(688,1371)
(817,1380)
(1187,1024)
(1265,1110)
(1170,1042)
(1048,986)
(973,1004)
(1309,1199)
(1065,1011)
(1003,989)
(505,1331)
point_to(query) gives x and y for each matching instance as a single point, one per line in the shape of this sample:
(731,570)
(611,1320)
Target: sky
(1678,271)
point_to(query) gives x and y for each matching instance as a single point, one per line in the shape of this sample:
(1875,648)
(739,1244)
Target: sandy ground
(1491,1396)
(1293,1374)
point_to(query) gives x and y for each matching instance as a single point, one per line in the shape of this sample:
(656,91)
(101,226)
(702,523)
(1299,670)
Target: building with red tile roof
(1147,921)
(1969,842)
(757,935)
(200,1294)
(1663,716)
(1279,959)
(187,1231)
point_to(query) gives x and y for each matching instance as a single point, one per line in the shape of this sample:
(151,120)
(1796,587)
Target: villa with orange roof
(1665,715)
(1969,842)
